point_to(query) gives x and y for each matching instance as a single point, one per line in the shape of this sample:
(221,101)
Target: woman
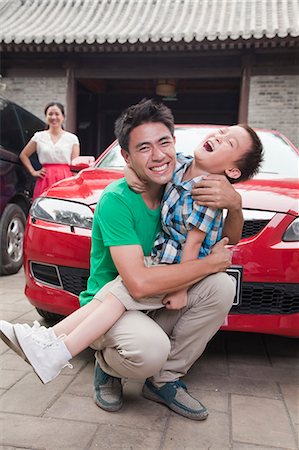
(55,147)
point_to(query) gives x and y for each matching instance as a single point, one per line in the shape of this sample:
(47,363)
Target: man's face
(152,153)
(220,150)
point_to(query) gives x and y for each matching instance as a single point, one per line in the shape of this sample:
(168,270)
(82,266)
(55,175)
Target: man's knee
(153,352)
(138,351)
(216,291)
(224,290)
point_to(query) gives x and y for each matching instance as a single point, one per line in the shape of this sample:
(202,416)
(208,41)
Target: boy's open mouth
(208,146)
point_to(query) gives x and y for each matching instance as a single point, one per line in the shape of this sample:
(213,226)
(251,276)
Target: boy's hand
(175,300)
(215,191)
(135,183)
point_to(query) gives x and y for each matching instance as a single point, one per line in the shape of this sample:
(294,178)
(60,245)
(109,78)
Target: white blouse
(58,153)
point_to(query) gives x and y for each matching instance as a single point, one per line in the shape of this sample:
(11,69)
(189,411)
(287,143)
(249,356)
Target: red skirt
(55,172)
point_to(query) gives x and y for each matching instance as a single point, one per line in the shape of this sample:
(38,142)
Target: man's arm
(233,225)
(144,281)
(215,191)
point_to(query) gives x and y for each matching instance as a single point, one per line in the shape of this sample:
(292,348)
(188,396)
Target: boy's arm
(144,281)
(215,191)
(194,239)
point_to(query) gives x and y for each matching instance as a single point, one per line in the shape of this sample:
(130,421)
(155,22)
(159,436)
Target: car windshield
(281,160)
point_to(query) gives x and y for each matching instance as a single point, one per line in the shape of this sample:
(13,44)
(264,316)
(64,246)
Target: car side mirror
(82,162)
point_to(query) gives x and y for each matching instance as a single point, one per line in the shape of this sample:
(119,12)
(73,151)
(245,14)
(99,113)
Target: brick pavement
(249,383)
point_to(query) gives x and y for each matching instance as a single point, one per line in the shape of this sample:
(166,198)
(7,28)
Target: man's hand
(175,300)
(222,255)
(215,191)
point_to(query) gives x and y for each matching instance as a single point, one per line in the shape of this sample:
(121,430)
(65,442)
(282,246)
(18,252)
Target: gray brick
(261,422)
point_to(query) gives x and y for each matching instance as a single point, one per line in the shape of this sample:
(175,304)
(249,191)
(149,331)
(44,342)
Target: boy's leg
(102,317)
(94,319)
(69,323)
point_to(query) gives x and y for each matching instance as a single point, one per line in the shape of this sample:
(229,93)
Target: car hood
(85,187)
(270,195)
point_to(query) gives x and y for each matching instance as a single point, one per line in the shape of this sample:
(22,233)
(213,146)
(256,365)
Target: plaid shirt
(179,214)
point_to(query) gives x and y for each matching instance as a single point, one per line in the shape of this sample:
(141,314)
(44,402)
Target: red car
(57,238)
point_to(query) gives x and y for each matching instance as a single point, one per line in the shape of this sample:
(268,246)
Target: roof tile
(130,21)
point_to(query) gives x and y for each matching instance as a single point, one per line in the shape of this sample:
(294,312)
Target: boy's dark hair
(146,111)
(251,161)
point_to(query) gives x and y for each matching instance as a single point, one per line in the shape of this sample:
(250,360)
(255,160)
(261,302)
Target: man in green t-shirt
(160,346)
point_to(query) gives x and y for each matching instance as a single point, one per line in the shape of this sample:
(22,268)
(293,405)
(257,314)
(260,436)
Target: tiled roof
(127,22)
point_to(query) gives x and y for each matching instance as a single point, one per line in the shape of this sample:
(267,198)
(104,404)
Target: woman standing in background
(55,148)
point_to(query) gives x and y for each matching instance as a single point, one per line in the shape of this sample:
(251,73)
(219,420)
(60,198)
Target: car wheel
(12,227)
(49,316)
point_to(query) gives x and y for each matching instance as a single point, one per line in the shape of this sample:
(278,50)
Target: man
(163,345)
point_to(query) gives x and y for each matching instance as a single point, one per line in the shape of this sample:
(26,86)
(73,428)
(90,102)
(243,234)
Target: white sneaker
(46,334)
(7,334)
(47,357)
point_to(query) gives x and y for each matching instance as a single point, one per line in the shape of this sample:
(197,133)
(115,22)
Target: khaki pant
(165,343)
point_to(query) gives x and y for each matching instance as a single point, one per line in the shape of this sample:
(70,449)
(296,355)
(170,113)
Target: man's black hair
(146,111)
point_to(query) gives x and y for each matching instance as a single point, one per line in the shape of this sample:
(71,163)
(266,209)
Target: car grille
(268,298)
(257,298)
(45,273)
(253,227)
(70,279)
(73,280)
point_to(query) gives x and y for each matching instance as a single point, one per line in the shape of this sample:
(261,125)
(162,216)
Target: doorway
(100,102)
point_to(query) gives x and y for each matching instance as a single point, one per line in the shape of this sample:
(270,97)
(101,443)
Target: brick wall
(33,93)
(274,103)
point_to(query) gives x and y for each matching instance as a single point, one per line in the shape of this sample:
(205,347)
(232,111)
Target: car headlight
(62,211)
(292,232)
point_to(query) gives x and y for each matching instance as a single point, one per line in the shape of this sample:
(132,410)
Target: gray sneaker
(108,391)
(176,396)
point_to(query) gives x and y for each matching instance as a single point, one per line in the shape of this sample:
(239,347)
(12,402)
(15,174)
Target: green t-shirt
(121,218)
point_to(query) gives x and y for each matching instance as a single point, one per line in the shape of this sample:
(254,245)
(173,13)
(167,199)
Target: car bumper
(278,324)
(69,281)
(270,306)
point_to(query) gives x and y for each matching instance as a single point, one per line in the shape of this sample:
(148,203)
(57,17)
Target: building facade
(211,61)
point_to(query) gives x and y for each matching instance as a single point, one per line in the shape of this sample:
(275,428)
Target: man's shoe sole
(148,394)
